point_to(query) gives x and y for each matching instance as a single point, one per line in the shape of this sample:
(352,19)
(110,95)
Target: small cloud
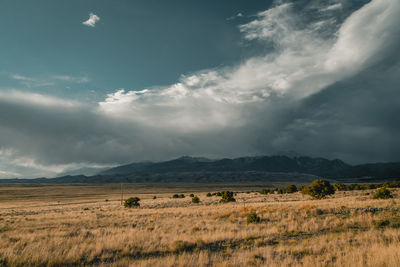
(238,15)
(20,77)
(332,7)
(91,22)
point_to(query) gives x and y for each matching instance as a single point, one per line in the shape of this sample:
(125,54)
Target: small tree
(132,202)
(195,199)
(319,189)
(383,193)
(227,196)
(291,189)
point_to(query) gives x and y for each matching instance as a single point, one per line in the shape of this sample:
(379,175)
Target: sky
(100,83)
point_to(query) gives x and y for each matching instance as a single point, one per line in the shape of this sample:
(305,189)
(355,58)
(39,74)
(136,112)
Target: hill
(277,168)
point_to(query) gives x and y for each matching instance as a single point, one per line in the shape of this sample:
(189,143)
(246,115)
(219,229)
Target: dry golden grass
(61,225)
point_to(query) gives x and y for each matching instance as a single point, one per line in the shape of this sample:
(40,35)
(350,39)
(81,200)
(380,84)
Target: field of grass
(81,225)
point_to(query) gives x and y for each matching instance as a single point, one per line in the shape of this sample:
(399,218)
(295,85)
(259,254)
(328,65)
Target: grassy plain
(83,225)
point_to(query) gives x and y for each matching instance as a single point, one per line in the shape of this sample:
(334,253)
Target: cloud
(329,87)
(51,80)
(238,15)
(91,22)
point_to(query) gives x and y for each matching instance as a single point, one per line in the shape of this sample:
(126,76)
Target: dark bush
(191,195)
(252,217)
(227,196)
(319,189)
(178,196)
(280,191)
(340,187)
(291,189)
(383,193)
(132,202)
(265,192)
(195,199)
(209,195)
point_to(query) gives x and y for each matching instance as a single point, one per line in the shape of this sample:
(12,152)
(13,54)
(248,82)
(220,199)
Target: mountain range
(276,168)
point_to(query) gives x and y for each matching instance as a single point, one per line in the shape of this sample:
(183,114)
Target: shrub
(178,196)
(181,246)
(132,202)
(381,223)
(265,192)
(155,197)
(191,195)
(383,193)
(280,191)
(227,196)
(209,195)
(253,218)
(291,189)
(195,199)
(319,189)
(340,187)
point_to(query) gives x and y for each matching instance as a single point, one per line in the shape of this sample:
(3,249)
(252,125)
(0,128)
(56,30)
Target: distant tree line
(351,187)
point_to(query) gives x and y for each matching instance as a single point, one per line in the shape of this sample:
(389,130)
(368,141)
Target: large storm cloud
(327,87)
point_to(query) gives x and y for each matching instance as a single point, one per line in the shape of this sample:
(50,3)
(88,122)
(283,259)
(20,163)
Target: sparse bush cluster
(178,196)
(351,187)
(288,190)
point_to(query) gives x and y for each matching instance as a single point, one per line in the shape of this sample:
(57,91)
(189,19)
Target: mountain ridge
(292,168)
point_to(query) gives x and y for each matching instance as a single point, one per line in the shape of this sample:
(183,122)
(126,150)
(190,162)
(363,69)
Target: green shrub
(178,196)
(319,189)
(227,196)
(209,194)
(383,193)
(195,199)
(280,191)
(132,202)
(191,195)
(253,218)
(340,187)
(291,189)
(265,192)
(181,246)
(155,197)
(381,223)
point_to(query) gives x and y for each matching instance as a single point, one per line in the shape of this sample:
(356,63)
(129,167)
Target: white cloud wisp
(91,22)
